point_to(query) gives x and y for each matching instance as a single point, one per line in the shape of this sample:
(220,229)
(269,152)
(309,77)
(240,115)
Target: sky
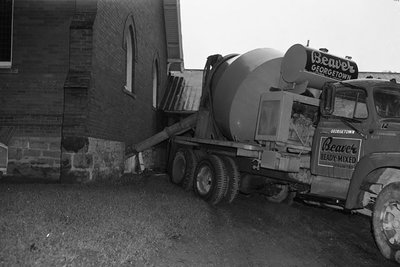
(366,30)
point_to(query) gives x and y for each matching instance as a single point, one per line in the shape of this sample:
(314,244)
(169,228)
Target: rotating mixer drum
(236,94)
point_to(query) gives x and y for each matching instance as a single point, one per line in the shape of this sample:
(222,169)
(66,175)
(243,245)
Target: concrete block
(51,154)
(42,162)
(55,146)
(66,161)
(14,153)
(31,153)
(18,142)
(38,145)
(82,161)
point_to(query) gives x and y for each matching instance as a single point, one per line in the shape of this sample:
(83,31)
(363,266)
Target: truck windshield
(350,103)
(387,102)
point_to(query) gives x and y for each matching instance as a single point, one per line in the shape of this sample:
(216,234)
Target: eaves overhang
(172,18)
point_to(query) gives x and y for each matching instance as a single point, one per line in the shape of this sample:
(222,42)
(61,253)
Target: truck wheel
(386,221)
(210,179)
(281,194)
(183,167)
(233,175)
(191,165)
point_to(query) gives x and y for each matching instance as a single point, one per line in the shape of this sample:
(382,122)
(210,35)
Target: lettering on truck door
(340,137)
(339,153)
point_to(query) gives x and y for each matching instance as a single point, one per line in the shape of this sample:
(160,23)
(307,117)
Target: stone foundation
(36,157)
(88,159)
(75,159)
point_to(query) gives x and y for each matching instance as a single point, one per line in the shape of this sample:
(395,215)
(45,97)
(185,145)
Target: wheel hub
(391,222)
(204,180)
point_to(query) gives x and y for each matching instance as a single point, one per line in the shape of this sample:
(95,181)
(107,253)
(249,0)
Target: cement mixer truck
(294,124)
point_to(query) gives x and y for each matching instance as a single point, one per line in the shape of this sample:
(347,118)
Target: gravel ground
(146,221)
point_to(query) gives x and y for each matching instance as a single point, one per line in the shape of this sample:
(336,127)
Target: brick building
(81,79)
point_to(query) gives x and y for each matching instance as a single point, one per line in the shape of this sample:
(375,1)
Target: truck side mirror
(327,99)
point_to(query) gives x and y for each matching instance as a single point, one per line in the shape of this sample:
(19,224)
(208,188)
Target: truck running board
(322,201)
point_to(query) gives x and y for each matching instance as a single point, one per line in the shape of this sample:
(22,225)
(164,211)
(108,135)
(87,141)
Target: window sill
(129,93)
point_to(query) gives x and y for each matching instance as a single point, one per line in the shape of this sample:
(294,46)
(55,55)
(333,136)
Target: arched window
(130,47)
(156,83)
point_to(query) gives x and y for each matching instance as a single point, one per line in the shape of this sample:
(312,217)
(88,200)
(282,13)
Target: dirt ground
(147,221)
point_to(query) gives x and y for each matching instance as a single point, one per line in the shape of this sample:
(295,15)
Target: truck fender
(364,167)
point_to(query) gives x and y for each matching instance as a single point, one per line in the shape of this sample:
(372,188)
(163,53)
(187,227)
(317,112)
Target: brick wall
(31,91)
(67,82)
(114,115)
(77,83)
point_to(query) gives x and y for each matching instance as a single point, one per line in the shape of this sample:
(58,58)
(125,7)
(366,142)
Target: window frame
(356,102)
(129,62)
(129,45)
(384,90)
(8,64)
(155,82)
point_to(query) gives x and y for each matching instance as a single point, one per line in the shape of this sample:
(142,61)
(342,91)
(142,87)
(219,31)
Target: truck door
(338,142)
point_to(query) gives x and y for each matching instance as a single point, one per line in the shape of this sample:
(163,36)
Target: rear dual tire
(217,179)
(210,179)
(233,175)
(214,178)
(183,167)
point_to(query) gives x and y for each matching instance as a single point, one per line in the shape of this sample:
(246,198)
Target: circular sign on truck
(302,64)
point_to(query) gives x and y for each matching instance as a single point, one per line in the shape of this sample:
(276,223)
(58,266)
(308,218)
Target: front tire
(386,221)
(210,179)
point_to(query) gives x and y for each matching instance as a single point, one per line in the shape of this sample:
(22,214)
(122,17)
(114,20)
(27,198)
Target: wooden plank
(178,95)
(171,97)
(167,92)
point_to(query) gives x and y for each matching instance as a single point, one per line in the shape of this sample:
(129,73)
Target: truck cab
(359,126)
(357,155)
